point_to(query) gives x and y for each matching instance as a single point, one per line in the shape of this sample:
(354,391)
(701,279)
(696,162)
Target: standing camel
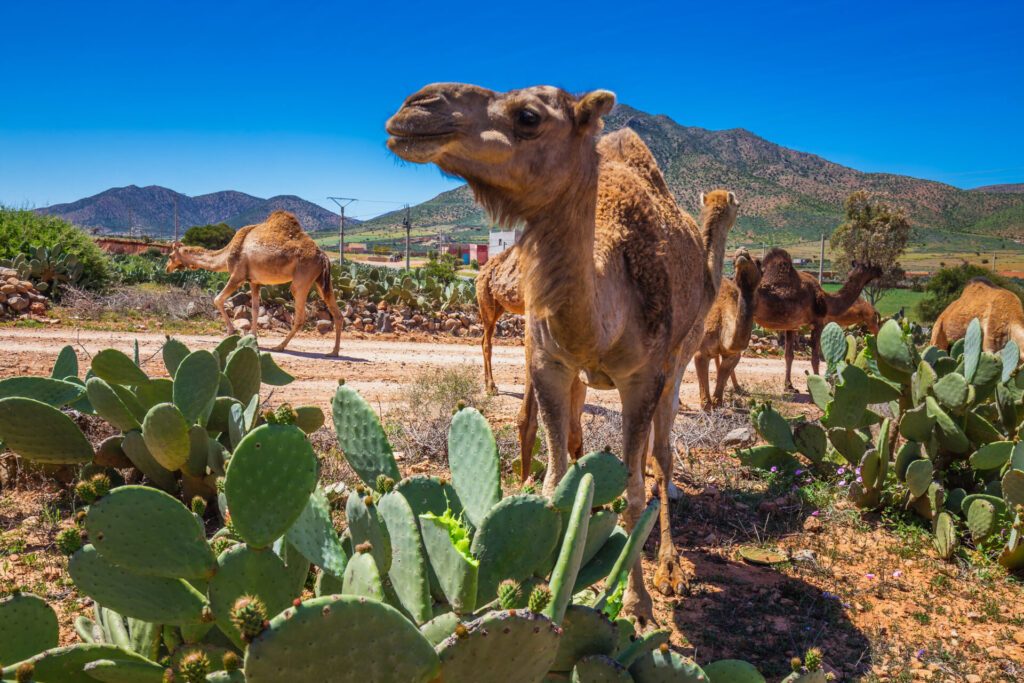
(860,313)
(499,289)
(788,300)
(616,278)
(727,328)
(273,252)
(997,309)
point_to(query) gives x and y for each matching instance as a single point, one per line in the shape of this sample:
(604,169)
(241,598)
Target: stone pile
(19,298)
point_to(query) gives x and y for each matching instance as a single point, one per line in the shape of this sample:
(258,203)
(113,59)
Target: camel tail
(324,278)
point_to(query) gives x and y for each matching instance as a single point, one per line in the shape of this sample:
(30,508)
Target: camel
(727,328)
(499,289)
(788,299)
(860,313)
(997,309)
(270,253)
(616,278)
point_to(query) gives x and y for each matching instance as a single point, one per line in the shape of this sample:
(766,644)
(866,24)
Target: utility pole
(408,231)
(342,202)
(821,258)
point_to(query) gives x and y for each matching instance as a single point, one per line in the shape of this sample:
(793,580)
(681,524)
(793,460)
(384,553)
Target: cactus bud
(194,667)
(100,484)
(461,631)
(168,676)
(69,540)
(364,548)
(80,516)
(24,672)
(385,484)
(219,484)
(663,648)
(509,593)
(284,415)
(231,662)
(460,405)
(795,664)
(619,505)
(85,491)
(198,505)
(530,487)
(248,615)
(539,599)
(812,660)
(368,501)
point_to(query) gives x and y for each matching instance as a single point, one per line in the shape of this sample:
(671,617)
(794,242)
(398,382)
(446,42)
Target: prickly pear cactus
(41,433)
(473,458)
(361,437)
(524,652)
(27,627)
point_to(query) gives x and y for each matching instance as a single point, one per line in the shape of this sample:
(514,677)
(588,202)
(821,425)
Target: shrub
(214,236)
(947,284)
(19,228)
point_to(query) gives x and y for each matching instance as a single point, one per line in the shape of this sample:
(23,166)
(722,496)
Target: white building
(500,240)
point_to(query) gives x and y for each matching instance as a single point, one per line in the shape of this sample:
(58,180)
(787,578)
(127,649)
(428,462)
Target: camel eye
(527,118)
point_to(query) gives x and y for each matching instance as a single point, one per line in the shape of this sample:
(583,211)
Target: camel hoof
(333,354)
(639,606)
(671,579)
(492,390)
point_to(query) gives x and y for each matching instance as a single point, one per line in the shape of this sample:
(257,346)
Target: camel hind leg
(234,282)
(336,317)
(726,370)
(490,311)
(254,290)
(299,293)
(701,365)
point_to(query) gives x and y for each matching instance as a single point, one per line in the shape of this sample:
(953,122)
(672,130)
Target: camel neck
(197,257)
(847,296)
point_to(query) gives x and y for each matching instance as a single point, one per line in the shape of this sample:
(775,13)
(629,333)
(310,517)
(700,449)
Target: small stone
(973,678)
(324,326)
(813,525)
(738,437)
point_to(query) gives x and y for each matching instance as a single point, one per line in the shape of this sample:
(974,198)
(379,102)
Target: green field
(892,301)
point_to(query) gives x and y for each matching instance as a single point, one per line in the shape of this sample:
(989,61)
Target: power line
(342,202)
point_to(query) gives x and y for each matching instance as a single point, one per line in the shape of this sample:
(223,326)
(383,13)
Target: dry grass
(139,302)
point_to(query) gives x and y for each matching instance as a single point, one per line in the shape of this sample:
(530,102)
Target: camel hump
(285,221)
(628,148)
(984,281)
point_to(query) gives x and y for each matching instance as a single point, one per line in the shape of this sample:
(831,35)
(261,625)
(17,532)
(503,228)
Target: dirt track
(377,367)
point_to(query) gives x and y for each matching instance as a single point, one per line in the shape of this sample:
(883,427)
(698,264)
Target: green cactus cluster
(46,268)
(430,580)
(926,430)
(179,432)
(415,289)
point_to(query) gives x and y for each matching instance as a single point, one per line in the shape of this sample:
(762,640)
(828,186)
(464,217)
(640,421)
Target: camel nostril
(425,100)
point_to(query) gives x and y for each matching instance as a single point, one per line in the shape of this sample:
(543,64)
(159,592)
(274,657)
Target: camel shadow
(588,408)
(741,611)
(319,356)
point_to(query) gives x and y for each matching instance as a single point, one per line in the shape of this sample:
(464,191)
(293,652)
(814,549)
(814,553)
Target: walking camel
(997,309)
(788,300)
(727,328)
(273,252)
(616,278)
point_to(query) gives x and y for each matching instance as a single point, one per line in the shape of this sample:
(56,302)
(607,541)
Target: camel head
(519,150)
(174,259)
(746,270)
(864,272)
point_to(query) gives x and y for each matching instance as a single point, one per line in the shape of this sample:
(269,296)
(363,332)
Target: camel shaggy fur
(997,309)
(617,279)
(273,252)
(861,313)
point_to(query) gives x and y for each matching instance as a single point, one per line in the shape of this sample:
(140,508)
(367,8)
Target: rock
(369,328)
(191,309)
(38,308)
(17,303)
(973,678)
(263,321)
(9,289)
(813,525)
(324,326)
(738,437)
(805,556)
(384,321)
(401,328)
(451,324)
(476,330)
(336,492)
(673,491)
(243,325)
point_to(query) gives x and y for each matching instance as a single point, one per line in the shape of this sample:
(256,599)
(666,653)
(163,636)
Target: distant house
(478,253)
(500,240)
(356,248)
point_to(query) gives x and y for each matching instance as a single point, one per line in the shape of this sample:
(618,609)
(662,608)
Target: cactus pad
(610,477)
(733,671)
(773,428)
(146,531)
(599,530)
(166,433)
(456,573)
(361,437)
(429,494)
(633,648)
(992,456)
(972,349)
(667,667)
(41,433)
(810,439)
(916,424)
(67,664)
(173,353)
(134,446)
(847,407)
(309,418)
(313,535)
(517,646)
(366,526)
(600,669)
(195,385)
(473,458)
(363,579)
(634,546)
(243,571)
(66,364)
(1013,487)
(124,671)
(27,627)
(585,631)
(945,535)
(150,598)
(499,541)
(243,370)
(108,405)
(766,456)
(919,477)
(117,368)
(409,573)
(894,348)
(833,344)
(950,435)
(271,373)
(315,642)
(269,480)
(563,577)
(52,392)
(982,519)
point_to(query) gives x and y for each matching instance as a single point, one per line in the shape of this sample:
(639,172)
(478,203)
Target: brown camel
(860,313)
(727,328)
(788,299)
(616,278)
(270,253)
(997,309)
(499,290)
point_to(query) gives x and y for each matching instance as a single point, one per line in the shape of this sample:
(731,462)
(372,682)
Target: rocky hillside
(151,210)
(784,193)
(1011,188)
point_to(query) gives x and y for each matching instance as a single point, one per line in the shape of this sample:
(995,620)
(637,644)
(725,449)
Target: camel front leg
(336,317)
(300,294)
(790,343)
(255,291)
(735,383)
(233,284)
(578,399)
(670,578)
(726,369)
(815,347)
(701,364)
(527,425)
(489,317)
(639,397)
(552,385)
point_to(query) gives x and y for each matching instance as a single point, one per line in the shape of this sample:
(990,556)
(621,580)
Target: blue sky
(290,98)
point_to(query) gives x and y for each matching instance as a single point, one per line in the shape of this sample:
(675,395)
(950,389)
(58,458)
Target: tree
(213,236)
(873,232)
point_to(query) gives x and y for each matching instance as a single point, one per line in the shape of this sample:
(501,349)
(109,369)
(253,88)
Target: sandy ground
(378,367)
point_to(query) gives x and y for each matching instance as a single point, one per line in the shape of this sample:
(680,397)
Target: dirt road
(378,368)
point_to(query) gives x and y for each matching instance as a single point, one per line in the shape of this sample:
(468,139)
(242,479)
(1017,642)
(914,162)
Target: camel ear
(732,199)
(703,199)
(591,107)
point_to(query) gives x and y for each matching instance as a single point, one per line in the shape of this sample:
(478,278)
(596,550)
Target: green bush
(19,227)
(947,284)
(136,269)
(214,236)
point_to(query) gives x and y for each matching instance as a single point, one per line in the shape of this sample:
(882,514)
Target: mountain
(1013,188)
(151,210)
(785,195)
